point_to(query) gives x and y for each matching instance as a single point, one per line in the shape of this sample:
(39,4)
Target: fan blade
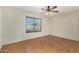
(54,7)
(42,12)
(43,9)
(55,11)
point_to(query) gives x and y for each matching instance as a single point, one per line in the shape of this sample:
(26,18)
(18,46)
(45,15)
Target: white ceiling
(37,9)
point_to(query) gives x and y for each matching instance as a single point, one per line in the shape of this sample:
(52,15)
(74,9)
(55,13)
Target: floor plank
(45,44)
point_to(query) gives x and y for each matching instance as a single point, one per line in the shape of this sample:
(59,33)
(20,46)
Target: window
(33,24)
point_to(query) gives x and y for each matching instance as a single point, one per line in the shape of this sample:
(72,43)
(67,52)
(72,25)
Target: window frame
(34,18)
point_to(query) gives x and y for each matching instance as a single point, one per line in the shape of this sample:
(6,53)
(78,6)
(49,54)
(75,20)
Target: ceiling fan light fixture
(49,10)
(48,13)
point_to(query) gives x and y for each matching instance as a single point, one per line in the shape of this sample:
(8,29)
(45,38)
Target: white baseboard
(66,37)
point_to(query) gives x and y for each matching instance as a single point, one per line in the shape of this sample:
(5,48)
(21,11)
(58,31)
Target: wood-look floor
(43,44)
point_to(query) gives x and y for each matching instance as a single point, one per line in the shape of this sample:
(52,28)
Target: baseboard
(34,38)
(6,43)
(65,37)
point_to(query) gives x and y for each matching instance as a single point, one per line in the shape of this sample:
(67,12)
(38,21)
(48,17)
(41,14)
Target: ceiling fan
(50,9)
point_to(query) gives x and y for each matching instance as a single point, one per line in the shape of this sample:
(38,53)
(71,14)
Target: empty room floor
(45,44)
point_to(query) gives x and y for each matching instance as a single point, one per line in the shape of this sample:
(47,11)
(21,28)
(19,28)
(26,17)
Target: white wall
(13,25)
(66,25)
(0,26)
